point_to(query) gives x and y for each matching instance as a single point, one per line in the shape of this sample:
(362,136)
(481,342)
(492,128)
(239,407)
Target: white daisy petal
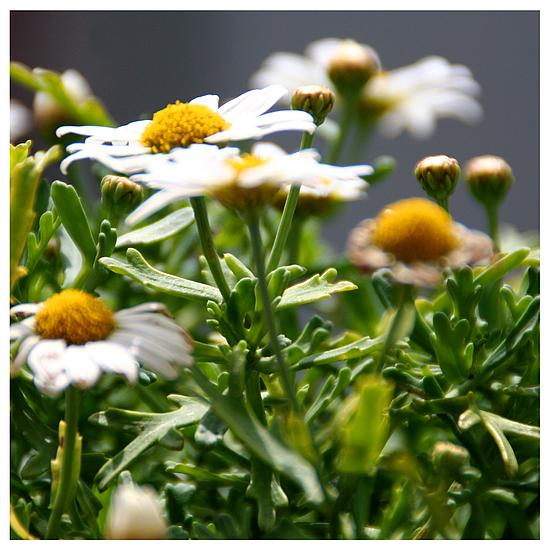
(252,104)
(23,352)
(114,358)
(23,328)
(82,371)
(210,101)
(47,361)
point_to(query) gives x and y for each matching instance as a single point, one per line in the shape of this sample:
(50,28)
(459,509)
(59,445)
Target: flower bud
(315,100)
(448,460)
(49,114)
(135,514)
(489,178)
(120,195)
(350,66)
(438,176)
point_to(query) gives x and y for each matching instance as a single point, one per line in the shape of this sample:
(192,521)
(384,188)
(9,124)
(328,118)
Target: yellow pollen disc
(180,125)
(246,160)
(414,230)
(74,316)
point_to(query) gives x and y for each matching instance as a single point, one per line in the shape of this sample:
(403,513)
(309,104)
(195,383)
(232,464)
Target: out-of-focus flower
(239,181)
(49,114)
(294,70)
(73,337)
(20,120)
(416,239)
(135,514)
(410,98)
(183,124)
(413,98)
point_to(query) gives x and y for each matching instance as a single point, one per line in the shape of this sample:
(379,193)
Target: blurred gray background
(138,62)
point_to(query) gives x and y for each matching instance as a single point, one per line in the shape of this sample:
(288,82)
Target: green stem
(307,140)
(284,227)
(494,222)
(403,313)
(444,203)
(253,222)
(72,409)
(348,115)
(208,246)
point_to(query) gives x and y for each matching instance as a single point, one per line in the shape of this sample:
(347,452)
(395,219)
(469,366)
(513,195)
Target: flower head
(438,176)
(239,181)
(201,120)
(489,178)
(416,239)
(73,337)
(410,98)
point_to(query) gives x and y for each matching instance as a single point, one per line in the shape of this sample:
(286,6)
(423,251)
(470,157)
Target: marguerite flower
(239,181)
(410,98)
(73,337)
(201,120)
(416,239)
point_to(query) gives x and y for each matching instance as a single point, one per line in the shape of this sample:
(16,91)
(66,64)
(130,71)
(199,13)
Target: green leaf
(73,217)
(210,431)
(149,429)
(501,266)
(367,431)
(163,229)
(232,410)
(515,339)
(318,287)
(233,480)
(139,270)
(454,353)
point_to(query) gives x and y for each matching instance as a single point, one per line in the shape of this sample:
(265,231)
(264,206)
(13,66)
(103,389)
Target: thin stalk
(307,140)
(348,115)
(401,318)
(444,203)
(494,222)
(208,246)
(72,409)
(253,222)
(284,227)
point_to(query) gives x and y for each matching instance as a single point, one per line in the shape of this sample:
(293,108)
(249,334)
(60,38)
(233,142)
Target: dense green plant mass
(310,399)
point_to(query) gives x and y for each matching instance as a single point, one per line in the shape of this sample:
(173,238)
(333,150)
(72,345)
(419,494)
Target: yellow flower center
(180,125)
(415,230)
(74,316)
(240,198)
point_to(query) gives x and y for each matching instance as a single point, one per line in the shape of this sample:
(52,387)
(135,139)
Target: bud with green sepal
(315,100)
(489,179)
(438,176)
(120,196)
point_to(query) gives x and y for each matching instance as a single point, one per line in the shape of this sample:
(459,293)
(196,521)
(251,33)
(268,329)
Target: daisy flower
(416,239)
(239,181)
(410,98)
(201,120)
(73,337)
(413,98)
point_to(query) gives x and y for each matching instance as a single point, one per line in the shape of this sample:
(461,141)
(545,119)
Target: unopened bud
(135,514)
(120,195)
(489,178)
(449,459)
(49,114)
(351,65)
(438,176)
(315,100)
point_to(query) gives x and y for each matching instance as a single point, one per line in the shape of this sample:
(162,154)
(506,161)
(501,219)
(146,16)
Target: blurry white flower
(182,124)
(414,97)
(135,514)
(72,338)
(20,120)
(239,181)
(410,98)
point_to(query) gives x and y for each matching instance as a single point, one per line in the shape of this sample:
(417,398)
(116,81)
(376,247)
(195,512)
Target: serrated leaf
(196,472)
(150,429)
(318,287)
(163,229)
(499,268)
(139,270)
